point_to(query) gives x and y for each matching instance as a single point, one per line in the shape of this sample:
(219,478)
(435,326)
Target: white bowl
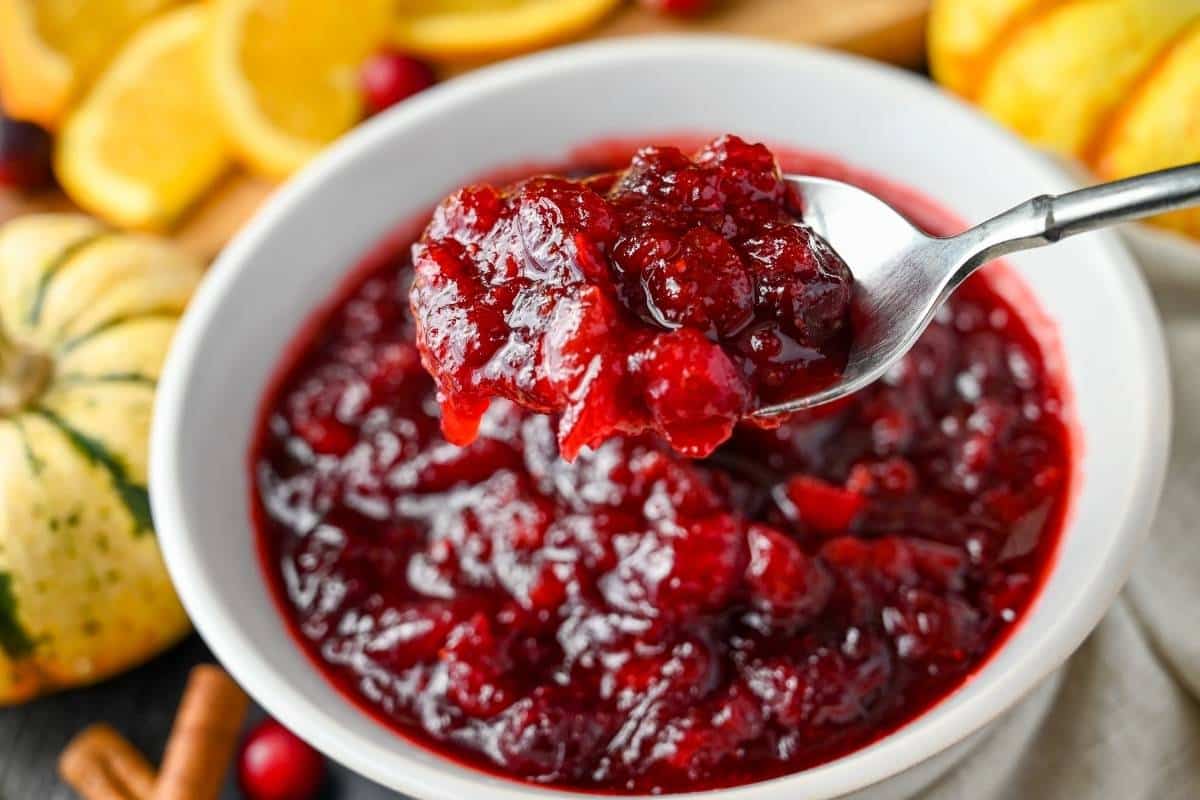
(285,263)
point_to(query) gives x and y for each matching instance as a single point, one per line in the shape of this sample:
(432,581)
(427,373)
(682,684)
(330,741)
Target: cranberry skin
(276,765)
(801,280)
(703,285)
(678,8)
(389,77)
(24,155)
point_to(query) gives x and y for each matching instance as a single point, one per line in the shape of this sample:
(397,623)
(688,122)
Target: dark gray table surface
(141,705)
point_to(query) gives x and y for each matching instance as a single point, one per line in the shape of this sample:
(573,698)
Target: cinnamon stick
(101,765)
(203,737)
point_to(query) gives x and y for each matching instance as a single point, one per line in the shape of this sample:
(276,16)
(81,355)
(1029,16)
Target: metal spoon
(902,276)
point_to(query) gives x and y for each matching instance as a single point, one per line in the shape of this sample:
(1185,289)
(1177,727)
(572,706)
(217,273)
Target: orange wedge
(452,29)
(145,142)
(285,73)
(1159,124)
(964,33)
(51,50)
(1059,77)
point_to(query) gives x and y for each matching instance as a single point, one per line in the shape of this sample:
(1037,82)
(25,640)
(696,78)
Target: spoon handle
(1122,201)
(1048,218)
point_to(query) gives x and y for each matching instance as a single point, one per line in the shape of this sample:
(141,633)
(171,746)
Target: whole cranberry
(389,77)
(679,8)
(276,765)
(24,154)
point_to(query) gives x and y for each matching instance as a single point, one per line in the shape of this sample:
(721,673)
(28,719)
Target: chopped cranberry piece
(894,476)
(711,734)
(800,281)
(821,507)
(680,570)
(829,686)
(928,628)
(691,390)
(687,669)
(408,637)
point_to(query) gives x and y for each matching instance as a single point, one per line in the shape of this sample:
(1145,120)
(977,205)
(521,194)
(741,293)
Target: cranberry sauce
(635,621)
(673,296)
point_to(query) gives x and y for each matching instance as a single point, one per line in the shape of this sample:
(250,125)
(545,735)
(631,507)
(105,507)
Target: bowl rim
(884,759)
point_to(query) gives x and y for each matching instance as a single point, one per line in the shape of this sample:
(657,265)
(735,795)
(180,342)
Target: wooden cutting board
(889,30)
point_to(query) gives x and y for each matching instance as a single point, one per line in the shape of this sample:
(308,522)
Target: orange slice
(285,73)
(146,141)
(51,50)
(1159,125)
(963,34)
(1058,78)
(449,29)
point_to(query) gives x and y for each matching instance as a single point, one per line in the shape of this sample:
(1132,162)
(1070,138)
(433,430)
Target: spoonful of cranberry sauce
(686,294)
(678,296)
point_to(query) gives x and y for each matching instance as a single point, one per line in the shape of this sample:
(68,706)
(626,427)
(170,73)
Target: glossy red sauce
(636,621)
(674,296)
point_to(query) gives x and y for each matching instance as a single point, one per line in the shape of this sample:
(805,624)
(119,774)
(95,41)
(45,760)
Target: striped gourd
(87,317)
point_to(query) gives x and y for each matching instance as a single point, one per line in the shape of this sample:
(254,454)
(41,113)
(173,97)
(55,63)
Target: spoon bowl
(895,296)
(902,276)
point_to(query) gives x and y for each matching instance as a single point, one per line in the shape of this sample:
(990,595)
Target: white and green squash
(87,315)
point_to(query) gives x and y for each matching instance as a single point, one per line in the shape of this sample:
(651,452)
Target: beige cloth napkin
(1121,721)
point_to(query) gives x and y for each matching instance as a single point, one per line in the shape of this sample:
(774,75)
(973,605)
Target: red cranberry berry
(24,155)
(789,588)
(678,8)
(275,764)
(389,77)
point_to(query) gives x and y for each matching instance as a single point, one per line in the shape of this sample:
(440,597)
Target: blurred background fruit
(389,77)
(53,49)
(275,764)
(24,154)
(963,33)
(88,315)
(1158,125)
(1062,74)
(454,29)
(282,72)
(683,8)
(1112,84)
(146,142)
